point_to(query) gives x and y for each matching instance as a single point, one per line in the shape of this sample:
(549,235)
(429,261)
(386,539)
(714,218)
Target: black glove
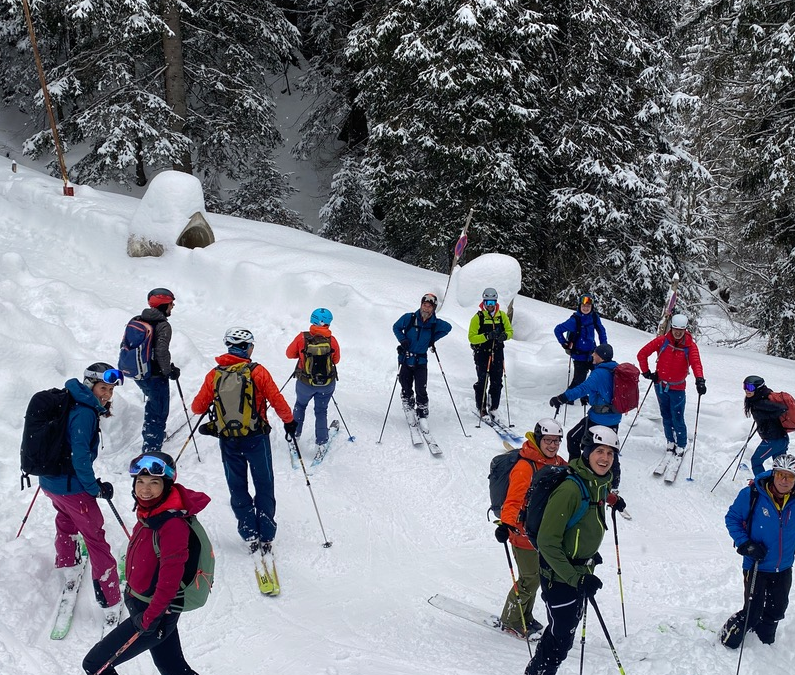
(589,584)
(654,377)
(105,490)
(404,345)
(502,533)
(138,621)
(596,558)
(753,549)
(501,336)
(701,386)
(616,502)
(432,347)
(175,372)
(557,401)
(290,428)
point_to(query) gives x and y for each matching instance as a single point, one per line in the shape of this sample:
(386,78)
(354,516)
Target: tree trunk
(175,77)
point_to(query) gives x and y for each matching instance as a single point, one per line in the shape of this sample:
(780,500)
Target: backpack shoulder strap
(754,500)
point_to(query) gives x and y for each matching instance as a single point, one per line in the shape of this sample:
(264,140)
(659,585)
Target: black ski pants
(581,370)
(489,364)
(414,380)
(767,607)
(574,446)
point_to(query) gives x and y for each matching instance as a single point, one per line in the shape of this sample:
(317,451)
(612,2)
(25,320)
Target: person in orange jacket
(539,450)
(318,354)
(244,442)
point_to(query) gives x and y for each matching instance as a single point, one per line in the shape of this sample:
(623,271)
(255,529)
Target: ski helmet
(238,337)
(102,372)
(585,299)
(600,435)
(547,427)
(321,317)
(490,294)
(158,464)
(753,382)
(430,297)
(160,296)
(784,462)
(679,321)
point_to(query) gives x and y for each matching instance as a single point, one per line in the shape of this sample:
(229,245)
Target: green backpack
(234,401)
(319,369)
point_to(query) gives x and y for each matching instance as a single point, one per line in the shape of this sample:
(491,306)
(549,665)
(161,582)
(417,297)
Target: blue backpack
(135,355)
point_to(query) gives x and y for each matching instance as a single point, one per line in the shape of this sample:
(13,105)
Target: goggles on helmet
(110,376)
(154,466)
(586,300)
(749,387)
(429,297)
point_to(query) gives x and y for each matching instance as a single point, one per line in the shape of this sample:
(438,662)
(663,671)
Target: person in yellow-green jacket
(488,331)
(569,551)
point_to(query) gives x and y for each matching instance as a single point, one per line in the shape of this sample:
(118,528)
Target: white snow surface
(404,525)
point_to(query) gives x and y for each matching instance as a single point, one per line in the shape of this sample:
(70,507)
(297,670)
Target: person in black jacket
(767,415)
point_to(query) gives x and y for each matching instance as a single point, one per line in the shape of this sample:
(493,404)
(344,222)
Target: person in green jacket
(570,553)
(488,331)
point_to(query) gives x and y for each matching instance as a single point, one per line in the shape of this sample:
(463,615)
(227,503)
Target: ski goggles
(489,303)
(586,300)
(110,376)
(154,466)
(783,475)
(749,387)
(430,298)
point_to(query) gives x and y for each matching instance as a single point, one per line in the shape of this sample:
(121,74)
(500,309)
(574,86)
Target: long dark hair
(759,394)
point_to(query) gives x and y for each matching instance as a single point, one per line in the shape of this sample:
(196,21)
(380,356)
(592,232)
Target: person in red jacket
(161,508)
(248,446)
(677,353)
(539,450)
(318,354)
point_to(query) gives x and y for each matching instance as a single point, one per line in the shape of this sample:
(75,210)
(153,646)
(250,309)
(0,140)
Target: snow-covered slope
(404,525)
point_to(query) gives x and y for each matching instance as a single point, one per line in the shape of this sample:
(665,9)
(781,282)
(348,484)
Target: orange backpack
(788,417)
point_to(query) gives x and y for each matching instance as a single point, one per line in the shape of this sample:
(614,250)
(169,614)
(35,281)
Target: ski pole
(482,405)
(350,438)
(394,386)
(118,653)
(118,517)
(618,566)
(695,435)
(507,402)
(291,441)
(30,508)
(292,375)
(607,634)
(747,612)
(568,379)
(192,432)
(582,639)
(444,377)
(740,461)
(634,419)
(737,456)
(516,589)
(187,417)
(176,431)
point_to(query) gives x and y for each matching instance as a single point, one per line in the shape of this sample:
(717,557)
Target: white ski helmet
(547,427)
(784,462)
(236,336)
(600,435)
(679,321)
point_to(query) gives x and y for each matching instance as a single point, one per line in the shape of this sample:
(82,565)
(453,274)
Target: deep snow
(404,525)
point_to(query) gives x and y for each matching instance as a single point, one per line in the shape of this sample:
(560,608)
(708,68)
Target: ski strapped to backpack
(45,449)
(625,388)
(318,369)
(788,416)
(135,353)
(499,477)
(197,579)
(234,412)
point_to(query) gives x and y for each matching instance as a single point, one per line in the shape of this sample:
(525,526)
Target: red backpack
(625,387)
(788,417)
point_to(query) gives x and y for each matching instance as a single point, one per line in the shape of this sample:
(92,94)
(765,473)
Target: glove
(754,550)
(138,621)
(502,533)
(404,345)
(589,584)
(175,372)
(501,336)
(105,490)
(557,401)
(701,386)
(616,502)
(290,428)
(432,347)
(654,377)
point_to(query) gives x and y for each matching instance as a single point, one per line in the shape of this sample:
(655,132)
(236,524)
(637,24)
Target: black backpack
(45,447)
(499,478)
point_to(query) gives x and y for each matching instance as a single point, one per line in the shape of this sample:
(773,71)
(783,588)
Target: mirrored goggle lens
(111,376)
(749,387)
(490,303)
(586,300)
(152,465)
(429,298)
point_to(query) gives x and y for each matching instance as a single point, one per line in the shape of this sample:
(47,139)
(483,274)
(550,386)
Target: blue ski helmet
(321,317)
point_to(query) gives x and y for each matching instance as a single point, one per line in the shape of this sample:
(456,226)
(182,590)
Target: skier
(761,523)
(539,450)
(598,387)
(677,353)
(153,578)
(155,387)
(318,385)
(488,331)
(74,494)
(417,332)
(576,336)
(767,415)
(249,447)
(568,556)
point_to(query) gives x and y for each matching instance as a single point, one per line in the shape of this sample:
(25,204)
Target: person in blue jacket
(74,492)
(417,332)
(598,387)
(761,523)
(576,336)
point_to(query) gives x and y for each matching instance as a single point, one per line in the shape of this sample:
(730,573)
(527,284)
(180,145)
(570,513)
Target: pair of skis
(502,430)
(420,434)
(321,450)
(267,577)
(669,465)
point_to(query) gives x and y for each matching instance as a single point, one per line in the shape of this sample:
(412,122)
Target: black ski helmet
(157,463)
(755,381)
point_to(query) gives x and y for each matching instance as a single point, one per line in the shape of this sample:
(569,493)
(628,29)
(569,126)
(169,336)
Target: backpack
(45,449)
(234,401)
(197,579)
(319,369)
(135,353)
(787,417)
(544,484)
(625,387)
(499,476)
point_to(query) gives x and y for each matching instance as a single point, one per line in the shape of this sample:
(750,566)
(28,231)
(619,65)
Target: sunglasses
(110,376)
(783,475)
(152,465)
(489,303)
(749,387)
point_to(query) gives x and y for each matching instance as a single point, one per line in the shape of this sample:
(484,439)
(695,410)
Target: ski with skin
(267,577)
(501,430)
(66,605)
(414,426)
(475,615)
(433,446)
(670,305)
(322,450)
(112,619)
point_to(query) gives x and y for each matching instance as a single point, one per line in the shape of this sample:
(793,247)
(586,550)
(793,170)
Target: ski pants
(158,395)
(574,446)
(767,450)
(322,395)
(255,517)
(163,644)
(767,607)
(527,584)
(581,370)
(672,408)
(79,514)
(489,364)
(414,379)
(564,605)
